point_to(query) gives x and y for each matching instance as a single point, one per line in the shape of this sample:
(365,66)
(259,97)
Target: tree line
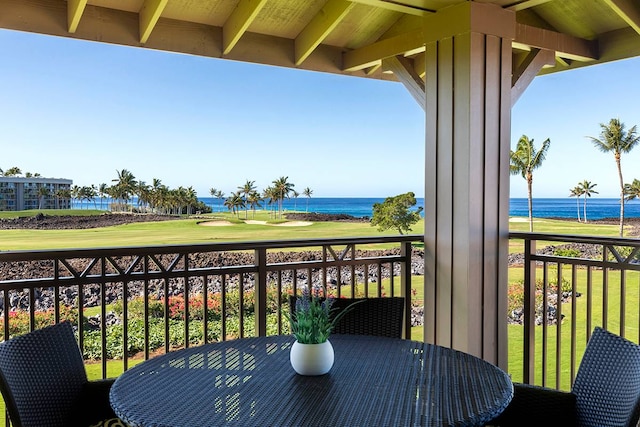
(248,197)
(158,198)
(614,138)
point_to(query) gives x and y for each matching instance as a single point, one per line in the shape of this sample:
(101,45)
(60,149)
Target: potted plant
(312,320)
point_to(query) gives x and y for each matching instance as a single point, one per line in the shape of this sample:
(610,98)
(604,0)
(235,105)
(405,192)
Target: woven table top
(374,382)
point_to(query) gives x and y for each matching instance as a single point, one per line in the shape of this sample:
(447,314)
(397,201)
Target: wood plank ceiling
(365,38)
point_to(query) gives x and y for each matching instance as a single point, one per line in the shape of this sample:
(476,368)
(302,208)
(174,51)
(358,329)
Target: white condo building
(20,193)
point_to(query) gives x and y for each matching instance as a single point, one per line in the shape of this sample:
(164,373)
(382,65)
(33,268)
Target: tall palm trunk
(584,207)
(578,207)
(621,194)
(529,192)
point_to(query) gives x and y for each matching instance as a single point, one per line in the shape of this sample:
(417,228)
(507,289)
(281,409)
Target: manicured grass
(186,231)
(613,308)
(554,226)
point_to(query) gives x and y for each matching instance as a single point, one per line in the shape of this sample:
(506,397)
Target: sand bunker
(282,224)
(215,223)
(222,223)
(518,219)
(293,224)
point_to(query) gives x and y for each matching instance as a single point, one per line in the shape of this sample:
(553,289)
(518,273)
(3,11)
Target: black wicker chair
(44,382)
(371,316)
(606,391)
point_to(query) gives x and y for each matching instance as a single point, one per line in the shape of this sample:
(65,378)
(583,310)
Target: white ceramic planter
(311,359)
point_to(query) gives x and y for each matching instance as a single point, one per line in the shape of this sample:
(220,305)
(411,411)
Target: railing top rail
(596,240)
(30,255)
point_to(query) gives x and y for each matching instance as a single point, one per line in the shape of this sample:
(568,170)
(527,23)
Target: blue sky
(81,110)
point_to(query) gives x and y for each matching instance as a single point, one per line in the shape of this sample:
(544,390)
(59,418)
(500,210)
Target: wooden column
(468,126)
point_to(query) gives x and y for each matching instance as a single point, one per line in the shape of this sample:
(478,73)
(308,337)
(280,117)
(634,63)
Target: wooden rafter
(627,10)
(319,27)
(420,64)
(526,38)
(149,15)
(238,22)
(369,55)
(403,69)
(564,45)
(527,70)
(525,4)
(75,8)
(408,7)
(369,71)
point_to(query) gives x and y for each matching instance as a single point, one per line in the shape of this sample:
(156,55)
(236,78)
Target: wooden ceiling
(355,37)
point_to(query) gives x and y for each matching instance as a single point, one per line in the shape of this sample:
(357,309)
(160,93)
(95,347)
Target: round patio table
(250,382)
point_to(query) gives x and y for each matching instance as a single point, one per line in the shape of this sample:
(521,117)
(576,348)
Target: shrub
(567,252)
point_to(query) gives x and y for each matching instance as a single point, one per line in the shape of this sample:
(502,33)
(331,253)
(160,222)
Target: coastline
(362,207)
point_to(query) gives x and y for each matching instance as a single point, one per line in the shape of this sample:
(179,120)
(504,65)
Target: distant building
(19,193)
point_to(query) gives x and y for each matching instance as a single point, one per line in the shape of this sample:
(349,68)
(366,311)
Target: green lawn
(186,231)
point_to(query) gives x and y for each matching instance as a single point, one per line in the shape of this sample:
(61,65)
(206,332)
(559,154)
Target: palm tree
(295,195)
(254,199)
(269,194)
(191,197)
(220,196)
(102,192)
(143,193)
(234,202)
(614,138)
(155,195)
(523,161)
(213,191)
(43,192)
(65,194)
(632,191)
(245,190)
(282,188)
(586,188)
(89,193)
(307,193)
(75,192)
(125,186)
(576,192)
(14,171)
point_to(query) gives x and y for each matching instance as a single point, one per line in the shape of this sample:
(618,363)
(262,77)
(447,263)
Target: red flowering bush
(19,321)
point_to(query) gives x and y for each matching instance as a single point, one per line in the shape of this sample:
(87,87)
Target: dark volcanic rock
(70,222)
(320,217)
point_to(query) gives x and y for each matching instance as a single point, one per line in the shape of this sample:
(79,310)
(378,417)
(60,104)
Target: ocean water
(542,208)
(597,208)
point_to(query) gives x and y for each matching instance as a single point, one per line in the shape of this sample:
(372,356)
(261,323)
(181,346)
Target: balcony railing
(179,296)
(185,295)
(567,287)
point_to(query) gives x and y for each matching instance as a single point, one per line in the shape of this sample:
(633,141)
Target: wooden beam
(371,70)
(404,71)
(420,64)
(407,7)
(485,18)
(525,4)
(470,17)
(320,27)
(367,56)
(74,13)
(564,45)
(149,15)
(627,10)
(240,19)
(527,70)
